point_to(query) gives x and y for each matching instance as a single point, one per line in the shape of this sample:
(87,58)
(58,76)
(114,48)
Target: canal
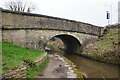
(93,69)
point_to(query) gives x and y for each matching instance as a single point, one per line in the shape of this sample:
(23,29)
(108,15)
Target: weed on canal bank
(33,71)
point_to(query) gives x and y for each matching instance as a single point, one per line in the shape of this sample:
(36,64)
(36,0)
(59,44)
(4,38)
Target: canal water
(94,69)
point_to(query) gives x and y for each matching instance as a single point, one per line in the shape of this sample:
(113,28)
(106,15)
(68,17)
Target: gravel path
(58,68)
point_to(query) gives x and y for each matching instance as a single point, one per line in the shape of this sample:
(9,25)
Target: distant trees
(18,5)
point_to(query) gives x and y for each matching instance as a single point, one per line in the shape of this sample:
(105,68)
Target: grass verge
(13,56)
(104,49)
(0,57)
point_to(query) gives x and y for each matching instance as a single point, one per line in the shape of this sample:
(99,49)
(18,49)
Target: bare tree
(19,6)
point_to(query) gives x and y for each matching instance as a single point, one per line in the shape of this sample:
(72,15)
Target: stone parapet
(22,20)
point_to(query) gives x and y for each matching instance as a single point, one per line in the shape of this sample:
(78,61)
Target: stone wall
(20,20)
(17,73)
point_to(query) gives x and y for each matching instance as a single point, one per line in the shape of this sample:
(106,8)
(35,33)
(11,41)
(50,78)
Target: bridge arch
(71,43)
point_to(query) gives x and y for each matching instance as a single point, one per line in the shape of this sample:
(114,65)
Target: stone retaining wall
(21,71)
(17,73)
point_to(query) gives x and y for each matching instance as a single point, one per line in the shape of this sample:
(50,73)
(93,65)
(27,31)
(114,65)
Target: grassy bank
(0,57)
(13,56)
(105,48)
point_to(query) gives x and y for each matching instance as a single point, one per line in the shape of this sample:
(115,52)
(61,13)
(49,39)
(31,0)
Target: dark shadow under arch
(71,44)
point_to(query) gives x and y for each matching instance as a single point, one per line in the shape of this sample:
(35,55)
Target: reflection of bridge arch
(71,43)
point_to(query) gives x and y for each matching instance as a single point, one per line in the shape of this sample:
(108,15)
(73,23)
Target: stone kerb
(40,60)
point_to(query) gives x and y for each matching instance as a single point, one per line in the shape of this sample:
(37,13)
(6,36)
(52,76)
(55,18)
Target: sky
(88,11)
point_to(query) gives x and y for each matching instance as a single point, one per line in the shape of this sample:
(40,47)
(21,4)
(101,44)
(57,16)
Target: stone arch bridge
(34,30)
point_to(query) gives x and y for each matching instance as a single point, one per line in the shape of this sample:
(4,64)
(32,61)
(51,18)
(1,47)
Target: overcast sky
(88,11)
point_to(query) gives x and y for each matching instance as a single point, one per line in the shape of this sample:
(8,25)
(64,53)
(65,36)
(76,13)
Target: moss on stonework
(74,67)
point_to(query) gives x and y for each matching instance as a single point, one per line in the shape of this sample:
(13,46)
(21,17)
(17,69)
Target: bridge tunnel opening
(67,43)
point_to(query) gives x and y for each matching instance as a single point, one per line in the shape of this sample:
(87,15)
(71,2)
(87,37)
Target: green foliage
(37,70)
(1,57)
(13,56)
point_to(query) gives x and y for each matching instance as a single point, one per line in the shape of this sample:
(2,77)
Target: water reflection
(94,69)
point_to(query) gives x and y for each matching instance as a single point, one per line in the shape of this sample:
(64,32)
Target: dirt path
(57,68)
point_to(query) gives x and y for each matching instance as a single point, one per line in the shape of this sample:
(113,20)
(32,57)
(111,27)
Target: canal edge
(76,71)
